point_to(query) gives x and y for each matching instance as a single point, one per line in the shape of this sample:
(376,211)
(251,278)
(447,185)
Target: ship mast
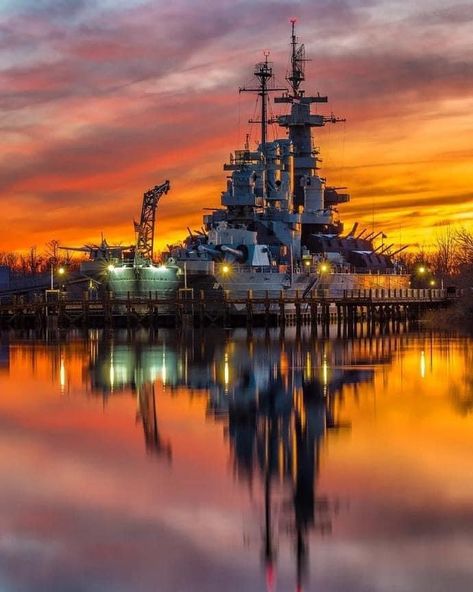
(300,121)
(264,73)
(296,76)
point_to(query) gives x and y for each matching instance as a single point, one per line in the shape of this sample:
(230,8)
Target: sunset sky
(102,99)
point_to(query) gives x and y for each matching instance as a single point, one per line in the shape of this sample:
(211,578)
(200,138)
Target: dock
(188,308)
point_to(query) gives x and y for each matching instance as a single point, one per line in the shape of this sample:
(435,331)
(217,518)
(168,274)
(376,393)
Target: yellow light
(226,370)
(61,271)
(62,375)
(324,268)
(421,269)
(307,262)
(111,267)
(225,269)
(432,282)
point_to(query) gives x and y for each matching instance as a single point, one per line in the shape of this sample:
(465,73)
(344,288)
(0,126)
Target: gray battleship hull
(238,284)
(144,282)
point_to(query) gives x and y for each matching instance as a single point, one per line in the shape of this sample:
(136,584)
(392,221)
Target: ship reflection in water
(276,403)
(275,462)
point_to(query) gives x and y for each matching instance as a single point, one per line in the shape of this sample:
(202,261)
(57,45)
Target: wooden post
(201,308)
(297,303)
(313,309)
(282,309)
(267,306)
(249,308)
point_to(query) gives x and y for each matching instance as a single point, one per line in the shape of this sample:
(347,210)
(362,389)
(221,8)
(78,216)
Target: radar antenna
(297,75)
(264,73)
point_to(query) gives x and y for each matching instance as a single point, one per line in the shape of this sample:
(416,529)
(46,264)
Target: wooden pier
(187,308)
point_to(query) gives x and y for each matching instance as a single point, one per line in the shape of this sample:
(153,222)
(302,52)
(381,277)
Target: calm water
(222,461)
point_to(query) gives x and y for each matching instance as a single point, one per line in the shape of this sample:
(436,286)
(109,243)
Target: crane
(145,228)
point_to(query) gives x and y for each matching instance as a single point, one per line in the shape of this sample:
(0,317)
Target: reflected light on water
(226,371)
(422,363)
(62,375)
(164,369)
(209,440)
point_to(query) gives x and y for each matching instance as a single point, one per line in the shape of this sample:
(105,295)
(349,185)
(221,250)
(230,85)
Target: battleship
(278,230)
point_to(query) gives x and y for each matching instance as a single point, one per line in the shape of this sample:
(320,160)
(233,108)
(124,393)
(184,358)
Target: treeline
(450,262)
(37,262)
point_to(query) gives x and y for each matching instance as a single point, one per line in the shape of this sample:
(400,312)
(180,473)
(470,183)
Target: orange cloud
(104,109)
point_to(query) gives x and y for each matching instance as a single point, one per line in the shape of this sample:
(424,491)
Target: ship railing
(365,271)
(238,267)
(396,294)
(348,269)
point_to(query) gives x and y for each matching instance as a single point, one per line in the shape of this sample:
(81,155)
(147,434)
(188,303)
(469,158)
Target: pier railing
(319,305)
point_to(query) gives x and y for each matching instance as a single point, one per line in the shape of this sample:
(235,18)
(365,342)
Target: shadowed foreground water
(226,461)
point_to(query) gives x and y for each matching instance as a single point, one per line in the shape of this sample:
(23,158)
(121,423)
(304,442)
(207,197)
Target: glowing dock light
(324,268)
(307,263)
(111,267)
(421,269)
(61,271)
(432,282)
(225,269)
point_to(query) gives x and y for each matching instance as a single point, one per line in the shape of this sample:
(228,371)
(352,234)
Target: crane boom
(145,229)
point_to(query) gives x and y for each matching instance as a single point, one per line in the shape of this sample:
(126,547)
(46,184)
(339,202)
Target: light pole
(60,271)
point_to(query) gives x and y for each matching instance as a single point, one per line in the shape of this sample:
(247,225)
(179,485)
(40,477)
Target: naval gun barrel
(352,231)
(399,250)
(386,249)
(210,250)
(376,235)
(235,252)
(377,249)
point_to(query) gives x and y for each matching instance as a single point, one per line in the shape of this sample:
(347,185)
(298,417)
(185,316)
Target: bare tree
(464,243)
(444,260)
(52,248)
(10,259)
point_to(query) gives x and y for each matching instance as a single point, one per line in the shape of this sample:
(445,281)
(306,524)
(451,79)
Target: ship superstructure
(278,227)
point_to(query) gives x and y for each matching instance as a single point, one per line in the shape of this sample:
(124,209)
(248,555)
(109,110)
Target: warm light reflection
(325,371)
(288,444)
(163,369)
(422,363)
(308,366)
(226,370)
(62,375)
(112,372)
